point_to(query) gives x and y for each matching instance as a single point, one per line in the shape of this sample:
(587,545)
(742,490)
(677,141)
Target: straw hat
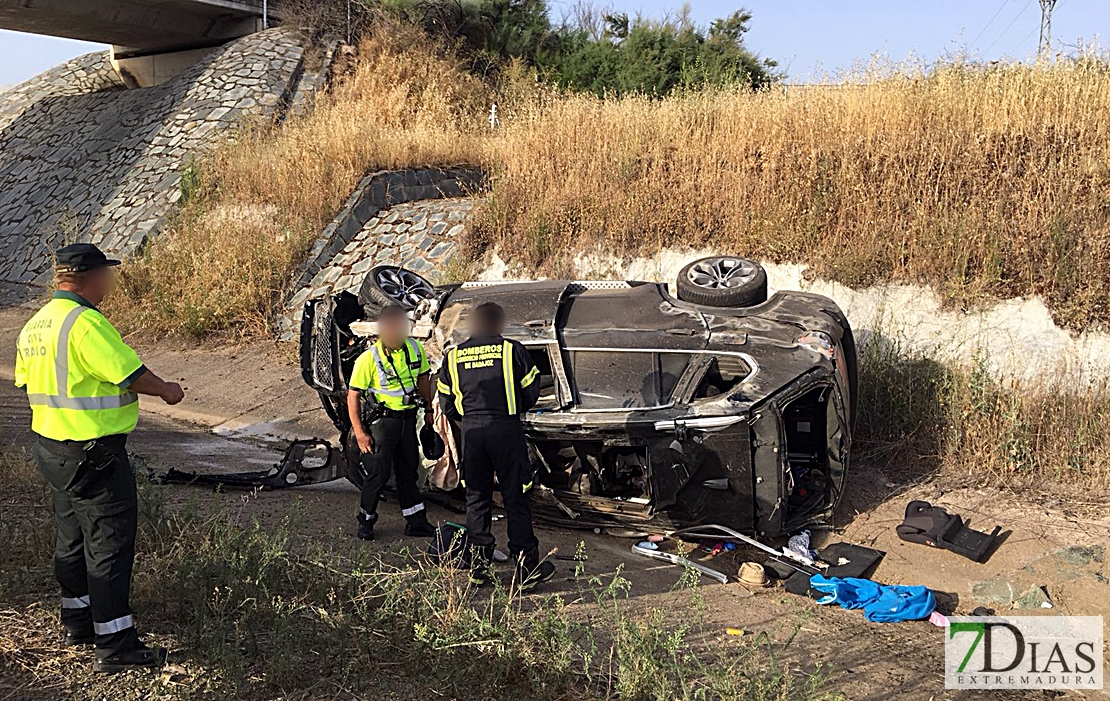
(753,574)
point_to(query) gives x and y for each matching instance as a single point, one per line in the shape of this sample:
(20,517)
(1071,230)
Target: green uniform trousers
(96,514)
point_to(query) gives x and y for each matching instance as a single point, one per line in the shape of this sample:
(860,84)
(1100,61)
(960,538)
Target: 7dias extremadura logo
(1030,652)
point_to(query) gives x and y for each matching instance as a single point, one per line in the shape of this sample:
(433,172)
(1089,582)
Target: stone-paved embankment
(81,157)
(409,217)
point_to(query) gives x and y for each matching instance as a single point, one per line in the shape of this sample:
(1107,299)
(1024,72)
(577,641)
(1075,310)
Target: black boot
(530,570)
(72,637)
(417,526)
(140,656)
(481,564)
(366,526)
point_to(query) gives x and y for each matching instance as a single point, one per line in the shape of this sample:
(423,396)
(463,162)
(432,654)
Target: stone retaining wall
(410,217)
(378,191)
(81,158)
(84,74)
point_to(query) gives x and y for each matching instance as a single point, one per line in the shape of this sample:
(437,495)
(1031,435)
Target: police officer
(394,372)
(486,382)
(81,381)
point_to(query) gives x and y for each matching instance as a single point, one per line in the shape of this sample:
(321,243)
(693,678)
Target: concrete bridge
(152,40)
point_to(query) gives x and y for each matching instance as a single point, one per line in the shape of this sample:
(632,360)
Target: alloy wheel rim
(404,287)
(722,273)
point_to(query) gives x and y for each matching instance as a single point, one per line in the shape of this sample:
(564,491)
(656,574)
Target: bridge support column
(148,70)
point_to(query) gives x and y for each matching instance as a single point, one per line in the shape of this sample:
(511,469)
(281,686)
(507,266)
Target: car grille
(323,348)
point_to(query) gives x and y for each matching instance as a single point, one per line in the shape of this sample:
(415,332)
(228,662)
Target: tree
(655,57)
(601,52)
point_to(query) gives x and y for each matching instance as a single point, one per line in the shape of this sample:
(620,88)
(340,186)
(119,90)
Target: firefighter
(485,383)
(81,381)
(394,372)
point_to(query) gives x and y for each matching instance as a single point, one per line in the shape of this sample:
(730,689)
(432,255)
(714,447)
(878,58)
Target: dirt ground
(241,404)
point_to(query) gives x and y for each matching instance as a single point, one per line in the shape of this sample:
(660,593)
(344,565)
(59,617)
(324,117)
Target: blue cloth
(881,603)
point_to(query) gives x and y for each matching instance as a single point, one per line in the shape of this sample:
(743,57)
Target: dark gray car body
(657,413)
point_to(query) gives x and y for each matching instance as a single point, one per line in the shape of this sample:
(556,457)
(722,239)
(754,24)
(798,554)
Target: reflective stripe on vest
(62,400)
(530,377)
(83,403)
(507,372)
(382,379)
(453,369)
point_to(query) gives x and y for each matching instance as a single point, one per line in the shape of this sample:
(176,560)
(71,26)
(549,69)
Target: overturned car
(715,404)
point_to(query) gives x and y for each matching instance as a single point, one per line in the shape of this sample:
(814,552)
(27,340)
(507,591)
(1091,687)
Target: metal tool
(694,532)
(679,560)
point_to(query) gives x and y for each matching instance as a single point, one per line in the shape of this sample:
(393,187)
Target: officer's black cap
(81,257)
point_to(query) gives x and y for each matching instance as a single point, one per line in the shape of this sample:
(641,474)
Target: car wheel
(390,284)
(723,281)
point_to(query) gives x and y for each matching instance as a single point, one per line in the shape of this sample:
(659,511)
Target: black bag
(449,545)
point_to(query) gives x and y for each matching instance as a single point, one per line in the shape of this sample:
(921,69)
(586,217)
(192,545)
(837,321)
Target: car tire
(723,281)
(391,284)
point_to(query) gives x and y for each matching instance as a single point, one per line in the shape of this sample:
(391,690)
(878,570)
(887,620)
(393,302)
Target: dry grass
(980,181)
(984,182)
(260,612)
(919,419)
(260,200)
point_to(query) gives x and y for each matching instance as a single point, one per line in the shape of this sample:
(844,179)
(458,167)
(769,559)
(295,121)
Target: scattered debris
(712,530)
(938,619)
(800,544)
(850,560)
(738,632)
(933,526)
(1035,598)
(657,554)
(323,466)
(998,590)
(1081,555)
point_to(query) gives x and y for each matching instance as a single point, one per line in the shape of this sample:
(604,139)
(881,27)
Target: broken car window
(724,373)
(626,379)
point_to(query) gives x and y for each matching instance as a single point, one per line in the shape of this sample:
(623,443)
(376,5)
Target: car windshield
(606,379)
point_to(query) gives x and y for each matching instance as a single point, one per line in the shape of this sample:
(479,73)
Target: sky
(807,37)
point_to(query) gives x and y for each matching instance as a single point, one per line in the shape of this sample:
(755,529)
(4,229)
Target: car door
(707,475)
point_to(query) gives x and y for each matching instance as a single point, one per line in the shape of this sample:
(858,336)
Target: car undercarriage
(655,412)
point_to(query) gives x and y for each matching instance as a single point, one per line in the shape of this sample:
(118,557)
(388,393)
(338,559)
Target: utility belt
(96,454)
(388,413)
(375,410)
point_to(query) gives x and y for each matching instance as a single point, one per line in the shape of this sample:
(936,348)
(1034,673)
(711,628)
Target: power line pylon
(1044,44)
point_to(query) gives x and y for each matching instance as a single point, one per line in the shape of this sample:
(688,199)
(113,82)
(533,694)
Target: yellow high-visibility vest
(76,370)
(391,375)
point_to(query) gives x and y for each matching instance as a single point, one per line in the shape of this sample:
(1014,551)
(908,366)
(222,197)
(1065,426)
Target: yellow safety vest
(391,376)
(76,370)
